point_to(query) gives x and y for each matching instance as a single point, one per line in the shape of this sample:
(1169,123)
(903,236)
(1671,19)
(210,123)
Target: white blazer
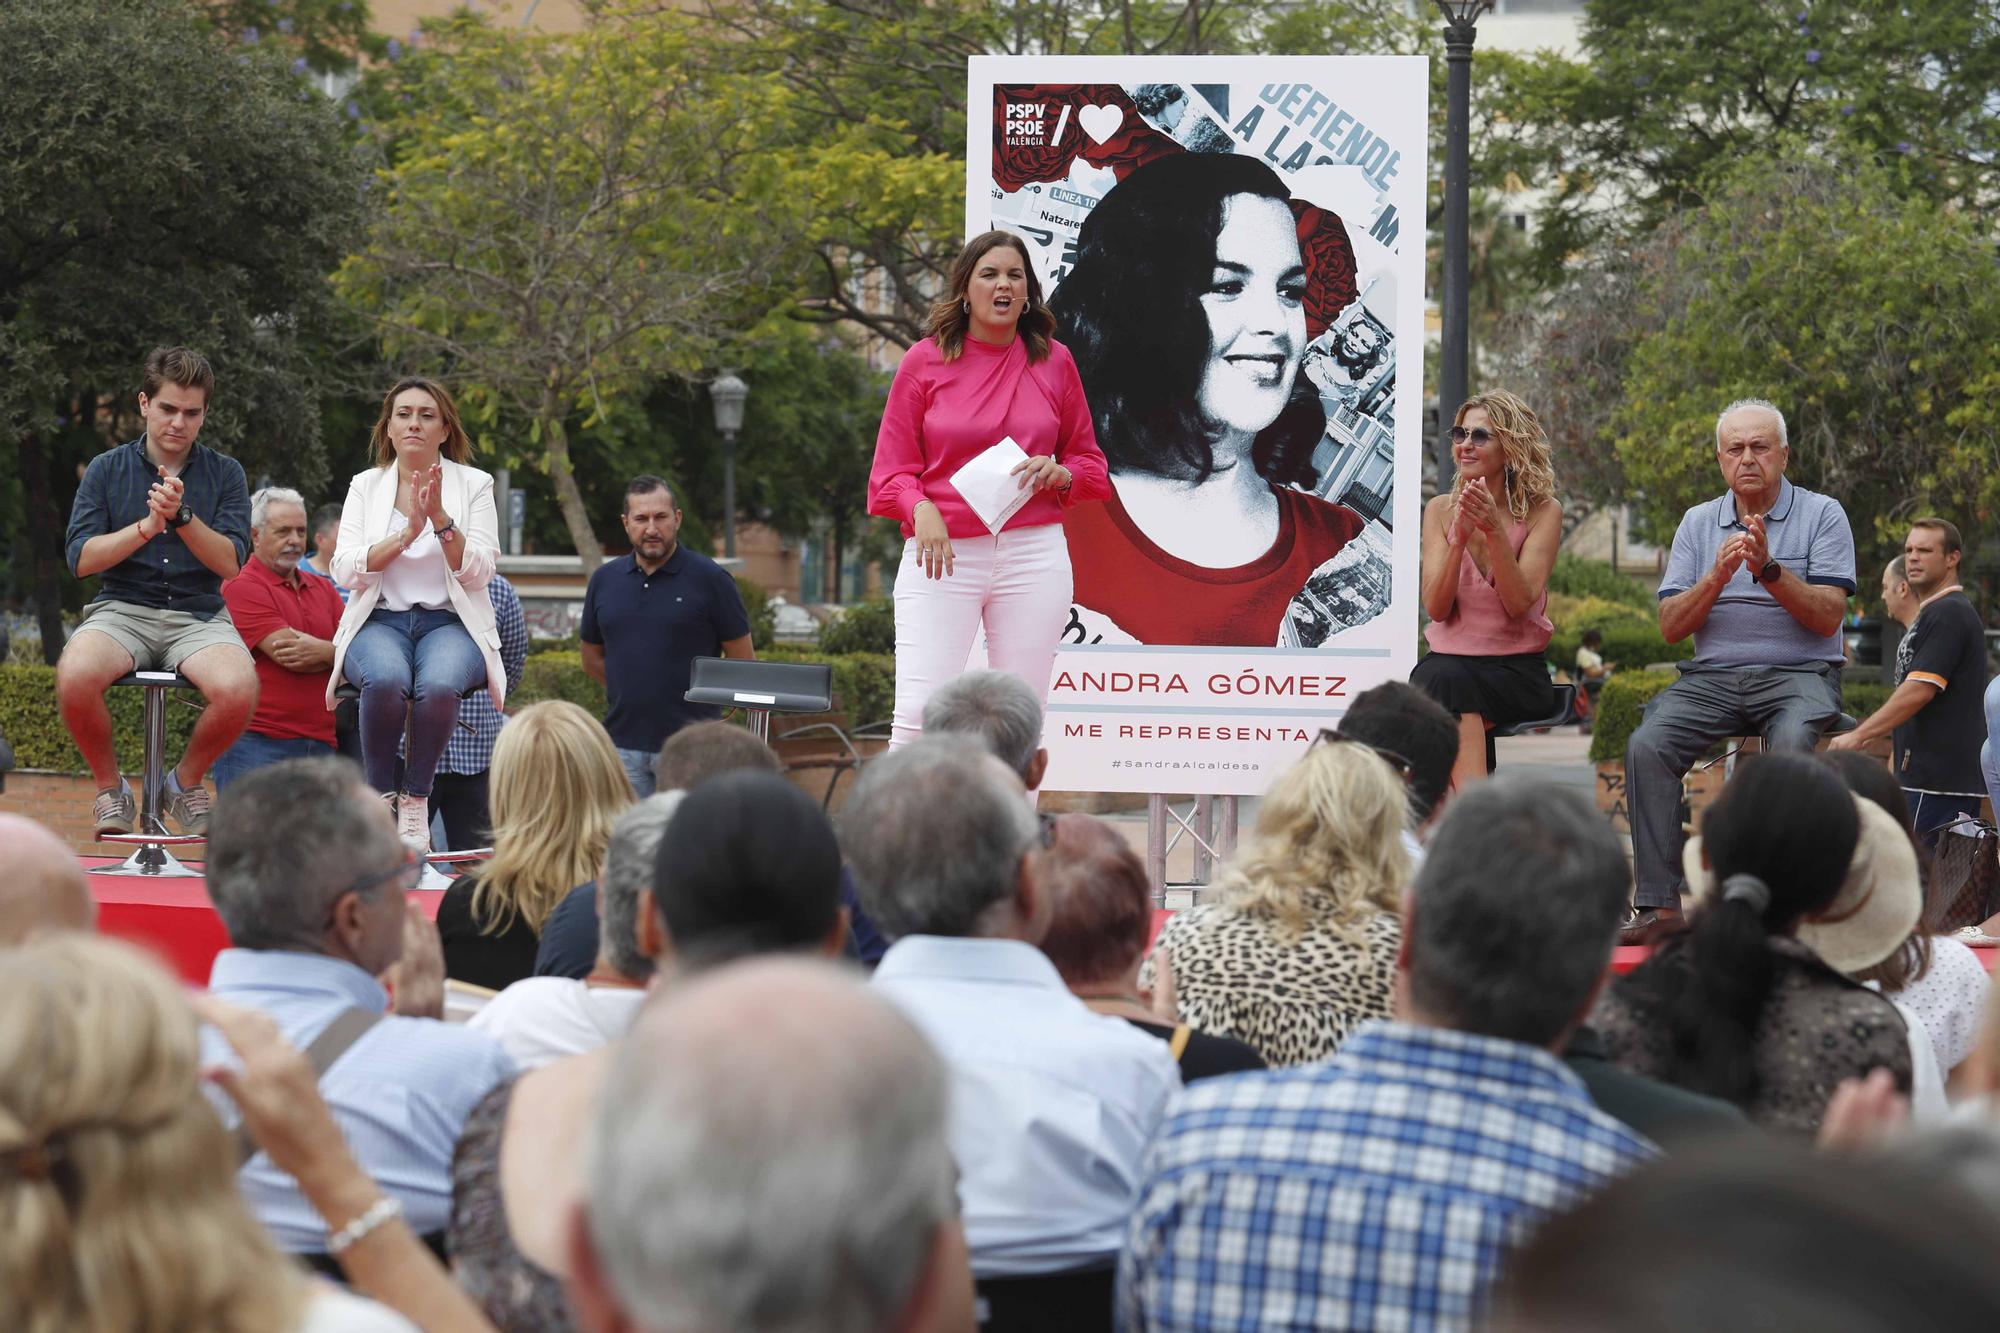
(364,520)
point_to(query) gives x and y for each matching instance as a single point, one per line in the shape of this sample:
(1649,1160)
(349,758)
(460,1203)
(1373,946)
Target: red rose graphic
(1043,157)
(1329,260)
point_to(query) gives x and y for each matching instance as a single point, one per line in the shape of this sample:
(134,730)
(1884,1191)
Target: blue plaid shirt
(164,573)
(1379,1190)
(470,749)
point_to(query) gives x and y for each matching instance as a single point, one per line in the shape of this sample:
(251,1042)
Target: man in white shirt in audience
(1052,1105)
(308,875)
(769,1153)
(541,1019)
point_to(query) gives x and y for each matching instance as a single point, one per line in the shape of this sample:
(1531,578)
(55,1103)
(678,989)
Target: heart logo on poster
(1100,122)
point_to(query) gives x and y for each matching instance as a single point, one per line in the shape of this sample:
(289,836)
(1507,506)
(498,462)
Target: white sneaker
(413,822)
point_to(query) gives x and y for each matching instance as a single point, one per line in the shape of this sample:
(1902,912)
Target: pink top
(1479,625)
(943,414)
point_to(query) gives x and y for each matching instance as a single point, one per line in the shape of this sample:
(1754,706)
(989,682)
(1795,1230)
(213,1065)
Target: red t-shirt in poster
(1157,598)
(290,704)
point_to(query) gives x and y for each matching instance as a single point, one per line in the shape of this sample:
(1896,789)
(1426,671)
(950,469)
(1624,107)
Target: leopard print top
(1295,998)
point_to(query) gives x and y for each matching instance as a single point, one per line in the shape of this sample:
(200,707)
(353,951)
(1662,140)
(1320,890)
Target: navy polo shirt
(651,626)
(163,574)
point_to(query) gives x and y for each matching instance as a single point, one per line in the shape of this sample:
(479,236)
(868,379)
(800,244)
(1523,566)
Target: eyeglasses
(1046,828)
(1404,769)
(1479,435)
(411,868)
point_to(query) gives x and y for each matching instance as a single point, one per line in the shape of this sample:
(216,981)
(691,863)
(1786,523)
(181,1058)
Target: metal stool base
(150,858)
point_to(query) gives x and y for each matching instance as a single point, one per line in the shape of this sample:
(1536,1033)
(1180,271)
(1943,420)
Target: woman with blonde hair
(118,1203)
(556,787)
(1489,544)
(1299,946)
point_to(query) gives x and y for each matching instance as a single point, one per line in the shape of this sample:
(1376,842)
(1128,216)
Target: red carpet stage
(172,917)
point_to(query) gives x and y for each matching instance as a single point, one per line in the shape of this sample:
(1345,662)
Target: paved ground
(1560,757)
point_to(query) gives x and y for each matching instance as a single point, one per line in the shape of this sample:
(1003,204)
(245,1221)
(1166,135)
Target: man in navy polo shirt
(646,617)
(164,520)
(1761,577)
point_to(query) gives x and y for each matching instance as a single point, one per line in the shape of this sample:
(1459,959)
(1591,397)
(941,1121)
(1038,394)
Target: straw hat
(1875,910)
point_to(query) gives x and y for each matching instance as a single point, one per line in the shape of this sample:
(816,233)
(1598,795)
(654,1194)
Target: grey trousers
(1787,706)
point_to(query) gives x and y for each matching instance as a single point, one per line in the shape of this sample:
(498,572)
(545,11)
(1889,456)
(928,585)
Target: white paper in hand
(989,485)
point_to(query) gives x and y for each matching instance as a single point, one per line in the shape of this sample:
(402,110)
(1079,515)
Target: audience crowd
(637,1078)
(682,1053)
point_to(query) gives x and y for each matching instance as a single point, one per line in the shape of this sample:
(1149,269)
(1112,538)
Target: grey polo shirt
(1808,535)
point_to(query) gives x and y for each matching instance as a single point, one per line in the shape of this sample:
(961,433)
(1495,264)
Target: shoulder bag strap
(1179,1041)
(348,1026)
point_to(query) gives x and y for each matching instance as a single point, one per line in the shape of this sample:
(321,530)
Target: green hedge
(1623,702)
(1631,634)
(1574,576)
(557,674)
(864,684)
(29,720)
(863,627)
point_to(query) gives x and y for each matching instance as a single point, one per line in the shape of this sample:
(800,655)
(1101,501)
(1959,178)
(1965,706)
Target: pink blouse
(1479,625)
(943,414)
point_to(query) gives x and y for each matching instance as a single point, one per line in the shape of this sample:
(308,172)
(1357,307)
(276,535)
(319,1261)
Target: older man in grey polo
(1760,576)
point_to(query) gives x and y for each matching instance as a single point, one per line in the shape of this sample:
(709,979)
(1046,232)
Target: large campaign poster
(1233,248)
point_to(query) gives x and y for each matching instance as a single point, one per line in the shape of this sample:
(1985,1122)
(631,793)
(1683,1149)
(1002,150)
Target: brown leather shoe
(1651,925)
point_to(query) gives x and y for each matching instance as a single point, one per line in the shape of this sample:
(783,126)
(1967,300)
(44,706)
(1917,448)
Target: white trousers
(1018,584)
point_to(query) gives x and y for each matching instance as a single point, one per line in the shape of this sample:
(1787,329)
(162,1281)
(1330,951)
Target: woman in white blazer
(418,541)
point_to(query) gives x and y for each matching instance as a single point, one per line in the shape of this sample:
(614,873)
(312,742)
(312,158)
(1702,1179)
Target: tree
(191,190)
(560,223)
(1667,91)
(874,142)
(1870,317)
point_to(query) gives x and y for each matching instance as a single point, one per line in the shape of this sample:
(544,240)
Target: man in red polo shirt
(287,619)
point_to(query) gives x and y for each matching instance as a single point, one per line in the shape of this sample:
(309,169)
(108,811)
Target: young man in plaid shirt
(1382,1188)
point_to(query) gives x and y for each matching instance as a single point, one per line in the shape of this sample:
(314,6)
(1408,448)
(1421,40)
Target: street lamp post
(729,393)
(1460,28)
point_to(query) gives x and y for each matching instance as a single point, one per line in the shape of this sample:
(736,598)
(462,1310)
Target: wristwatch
(1771,572)
(182,518)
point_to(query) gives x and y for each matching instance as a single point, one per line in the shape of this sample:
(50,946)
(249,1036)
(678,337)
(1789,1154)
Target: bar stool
(761,688)
(150,841)
(432,877)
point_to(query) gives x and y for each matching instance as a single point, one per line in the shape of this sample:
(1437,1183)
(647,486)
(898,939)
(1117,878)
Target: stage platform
(173,918)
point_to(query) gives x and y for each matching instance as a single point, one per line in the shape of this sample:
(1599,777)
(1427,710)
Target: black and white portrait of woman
(1187,312)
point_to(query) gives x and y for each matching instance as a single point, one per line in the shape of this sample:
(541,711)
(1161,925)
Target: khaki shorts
(159,639)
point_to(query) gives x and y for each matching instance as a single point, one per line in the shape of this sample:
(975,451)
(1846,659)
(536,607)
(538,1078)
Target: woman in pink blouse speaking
(989,372)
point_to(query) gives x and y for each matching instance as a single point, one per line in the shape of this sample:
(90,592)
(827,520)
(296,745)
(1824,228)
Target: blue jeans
(253,750)
(413,663)
(639,768)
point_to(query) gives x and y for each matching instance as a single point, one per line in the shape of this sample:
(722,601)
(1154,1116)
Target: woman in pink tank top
(1489,544)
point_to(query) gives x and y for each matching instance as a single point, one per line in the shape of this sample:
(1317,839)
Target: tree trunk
(568,498)
(45,536)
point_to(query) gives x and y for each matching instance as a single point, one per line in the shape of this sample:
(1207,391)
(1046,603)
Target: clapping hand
(1474,513)
(430,493)
(163,500)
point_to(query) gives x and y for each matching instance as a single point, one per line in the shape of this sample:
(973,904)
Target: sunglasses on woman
(1403,768)
(1479,435)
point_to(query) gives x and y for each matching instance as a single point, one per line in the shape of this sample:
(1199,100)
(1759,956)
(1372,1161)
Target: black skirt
(1502,690)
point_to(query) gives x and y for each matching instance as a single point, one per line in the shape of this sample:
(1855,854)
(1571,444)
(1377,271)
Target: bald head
(769,1153)
(43,887)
